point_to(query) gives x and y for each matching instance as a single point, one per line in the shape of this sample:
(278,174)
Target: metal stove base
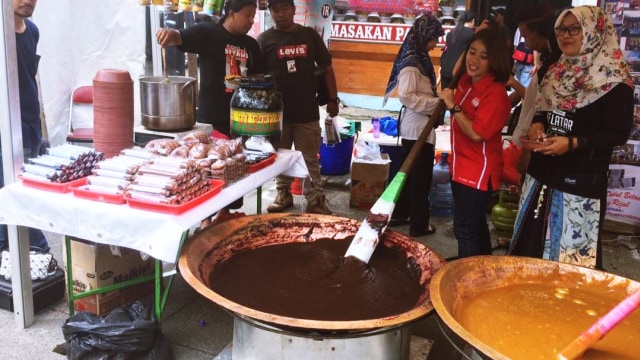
(251,342)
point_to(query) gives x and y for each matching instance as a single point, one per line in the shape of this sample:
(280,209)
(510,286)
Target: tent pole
(12,155)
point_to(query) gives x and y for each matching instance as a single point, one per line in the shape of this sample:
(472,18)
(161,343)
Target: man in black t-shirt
(223,49)
(292,52)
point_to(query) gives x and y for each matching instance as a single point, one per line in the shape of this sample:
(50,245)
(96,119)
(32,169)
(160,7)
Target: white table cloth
(154,233)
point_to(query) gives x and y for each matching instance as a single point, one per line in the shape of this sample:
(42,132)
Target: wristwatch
(455,109)
(335,100)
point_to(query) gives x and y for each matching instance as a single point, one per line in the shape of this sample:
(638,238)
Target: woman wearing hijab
(479,107)
(456,43)
(584,109)
(414,77)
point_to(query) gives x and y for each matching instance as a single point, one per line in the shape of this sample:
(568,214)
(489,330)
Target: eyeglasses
(572,30)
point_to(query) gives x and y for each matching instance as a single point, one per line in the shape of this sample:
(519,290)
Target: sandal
(398,222)
(428,231)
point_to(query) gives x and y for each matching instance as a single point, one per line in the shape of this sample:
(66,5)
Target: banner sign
(386,6)
(623,193)
(375,32)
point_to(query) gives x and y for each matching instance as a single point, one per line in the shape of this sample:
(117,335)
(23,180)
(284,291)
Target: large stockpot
(168,103)
(259,334)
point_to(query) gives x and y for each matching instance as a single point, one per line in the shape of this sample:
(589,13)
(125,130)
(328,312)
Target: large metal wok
(217,243)
(460,281)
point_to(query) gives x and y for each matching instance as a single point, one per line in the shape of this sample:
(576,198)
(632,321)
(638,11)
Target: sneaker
(283,201)
(318,206)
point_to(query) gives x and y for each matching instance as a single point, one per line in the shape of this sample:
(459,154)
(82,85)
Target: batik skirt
(555,225)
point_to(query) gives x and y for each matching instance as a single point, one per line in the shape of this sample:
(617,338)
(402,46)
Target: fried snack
(181,152)
(199,151)
(162,146)
(198,136)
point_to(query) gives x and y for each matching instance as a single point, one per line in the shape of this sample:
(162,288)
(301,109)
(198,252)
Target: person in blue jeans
(523,70)
(27,36)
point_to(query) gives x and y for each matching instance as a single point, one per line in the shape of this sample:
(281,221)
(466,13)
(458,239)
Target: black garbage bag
(128,332)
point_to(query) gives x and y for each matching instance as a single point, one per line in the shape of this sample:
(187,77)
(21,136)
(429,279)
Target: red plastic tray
(81,192)
(51,186)
(262,164)
(216,186)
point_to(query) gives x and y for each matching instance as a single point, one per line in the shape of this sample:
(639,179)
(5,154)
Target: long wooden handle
(366,239)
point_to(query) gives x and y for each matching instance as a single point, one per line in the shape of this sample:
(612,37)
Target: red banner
(385,6)
(374,32)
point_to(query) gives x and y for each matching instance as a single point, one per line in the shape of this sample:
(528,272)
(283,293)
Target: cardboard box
(96,265)
(368,181)
(103,306)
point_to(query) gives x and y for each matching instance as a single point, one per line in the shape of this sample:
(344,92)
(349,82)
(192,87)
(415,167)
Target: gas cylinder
(503,214)
(441,195)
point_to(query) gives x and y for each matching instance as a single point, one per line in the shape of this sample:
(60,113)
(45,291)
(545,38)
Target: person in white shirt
(414,77)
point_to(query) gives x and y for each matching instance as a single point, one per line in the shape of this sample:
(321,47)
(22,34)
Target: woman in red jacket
(479,108)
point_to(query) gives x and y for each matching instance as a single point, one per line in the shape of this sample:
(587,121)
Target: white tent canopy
(78,38)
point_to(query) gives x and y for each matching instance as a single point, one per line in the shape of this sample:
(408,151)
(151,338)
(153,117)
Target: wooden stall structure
(363,54)
(364,67)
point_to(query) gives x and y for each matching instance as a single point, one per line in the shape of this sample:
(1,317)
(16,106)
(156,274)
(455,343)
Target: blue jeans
(522,73)
(470,225)
(37,241)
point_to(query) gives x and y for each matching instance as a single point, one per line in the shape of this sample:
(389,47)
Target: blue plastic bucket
(335,159)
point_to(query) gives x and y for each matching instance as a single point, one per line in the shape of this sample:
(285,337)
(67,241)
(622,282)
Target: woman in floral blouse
(584,109)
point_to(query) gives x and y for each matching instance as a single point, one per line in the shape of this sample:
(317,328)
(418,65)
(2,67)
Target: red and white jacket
(486,103)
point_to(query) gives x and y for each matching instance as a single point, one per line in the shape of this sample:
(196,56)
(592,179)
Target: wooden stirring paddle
(601,327)
(372,228)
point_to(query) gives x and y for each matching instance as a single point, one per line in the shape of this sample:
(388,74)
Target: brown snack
(198,136)
(173,162)
(175,173)
(152,198)
(162,146)
(158,181)
(113,174)
(181,152)
(220,151)
(218,165)
(199,151)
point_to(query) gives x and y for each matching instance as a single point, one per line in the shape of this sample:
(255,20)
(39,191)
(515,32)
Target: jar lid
(257,82)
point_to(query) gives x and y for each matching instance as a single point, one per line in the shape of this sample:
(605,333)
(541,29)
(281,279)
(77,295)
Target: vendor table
(157,234)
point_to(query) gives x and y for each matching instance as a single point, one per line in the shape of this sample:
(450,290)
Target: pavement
(196,328)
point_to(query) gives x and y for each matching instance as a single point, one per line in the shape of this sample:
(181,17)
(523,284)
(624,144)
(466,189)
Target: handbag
(510,155)
(523,54)
(42,265)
